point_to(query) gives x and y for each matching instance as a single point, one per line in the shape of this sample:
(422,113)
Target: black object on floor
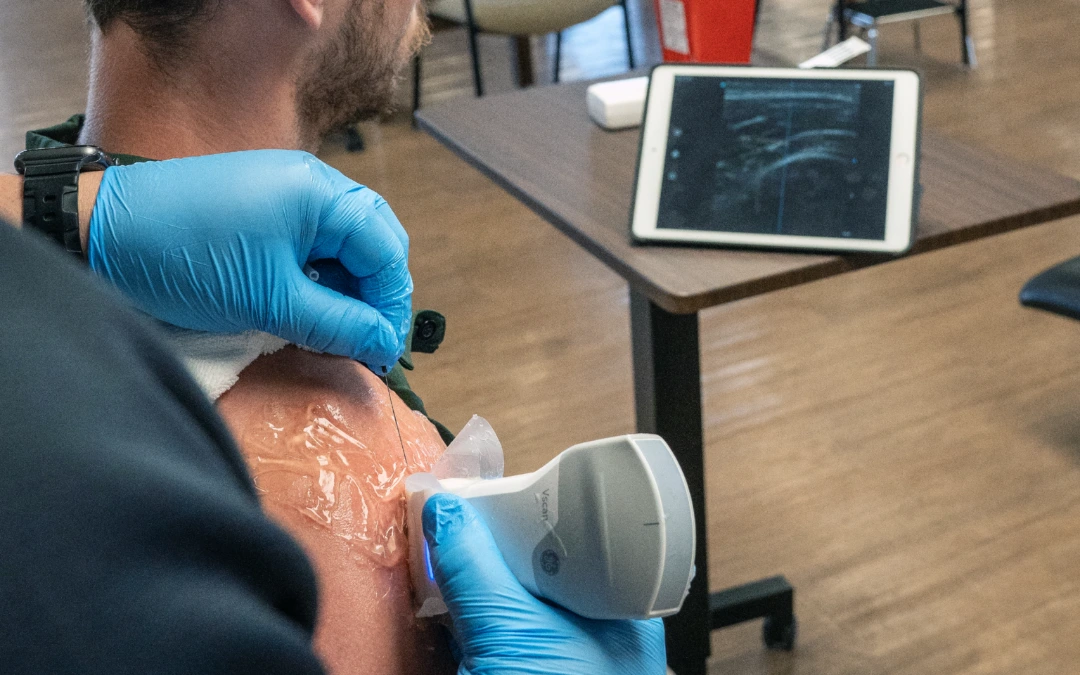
(1056,290)
(354,140)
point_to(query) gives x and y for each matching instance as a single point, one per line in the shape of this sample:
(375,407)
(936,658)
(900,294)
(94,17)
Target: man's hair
(163,24)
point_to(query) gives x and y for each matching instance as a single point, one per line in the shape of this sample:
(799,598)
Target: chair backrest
(521,17)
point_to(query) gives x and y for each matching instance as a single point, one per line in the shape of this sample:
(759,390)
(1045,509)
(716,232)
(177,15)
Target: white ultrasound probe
(606,529)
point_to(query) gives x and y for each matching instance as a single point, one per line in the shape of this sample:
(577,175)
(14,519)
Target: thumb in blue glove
(218,243)
(501,628)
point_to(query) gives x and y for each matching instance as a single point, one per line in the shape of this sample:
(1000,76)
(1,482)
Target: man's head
(343,56)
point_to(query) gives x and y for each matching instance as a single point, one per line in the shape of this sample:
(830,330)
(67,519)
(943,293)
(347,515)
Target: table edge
(693,303)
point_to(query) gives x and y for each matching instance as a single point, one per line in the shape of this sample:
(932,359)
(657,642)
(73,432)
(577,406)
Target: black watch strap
(51,189)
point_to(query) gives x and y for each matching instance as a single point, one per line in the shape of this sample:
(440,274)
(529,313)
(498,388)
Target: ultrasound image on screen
(793,157)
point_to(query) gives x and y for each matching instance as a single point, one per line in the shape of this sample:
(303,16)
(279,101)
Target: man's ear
(309,11)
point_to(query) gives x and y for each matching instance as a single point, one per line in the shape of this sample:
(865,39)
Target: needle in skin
(390,396)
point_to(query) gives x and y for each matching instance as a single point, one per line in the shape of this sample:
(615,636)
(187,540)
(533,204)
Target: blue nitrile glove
(501,628)
(218,243)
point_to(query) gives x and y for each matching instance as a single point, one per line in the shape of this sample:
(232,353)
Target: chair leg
(871,37)
(558,57)
(521,53)
(417,70)
(967,43)
(629,42)
(841,31)
(474,49)
(917,35)
(826,39)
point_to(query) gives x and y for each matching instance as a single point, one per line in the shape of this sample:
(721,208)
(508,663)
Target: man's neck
(136,108)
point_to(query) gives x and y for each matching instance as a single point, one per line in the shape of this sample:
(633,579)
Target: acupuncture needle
(390,396)
(312,273)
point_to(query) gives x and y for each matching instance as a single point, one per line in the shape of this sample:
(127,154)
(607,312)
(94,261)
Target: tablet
(824,160)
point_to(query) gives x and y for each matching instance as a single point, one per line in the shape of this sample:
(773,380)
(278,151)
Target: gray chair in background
(520,19)
(868,15)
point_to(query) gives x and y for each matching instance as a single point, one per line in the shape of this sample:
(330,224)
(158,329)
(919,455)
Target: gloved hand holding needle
(218,244)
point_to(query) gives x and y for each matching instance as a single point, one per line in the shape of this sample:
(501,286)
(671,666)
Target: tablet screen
(778,156)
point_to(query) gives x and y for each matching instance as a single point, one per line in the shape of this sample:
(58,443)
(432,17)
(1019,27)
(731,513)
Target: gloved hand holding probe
(501,628)
(218,244)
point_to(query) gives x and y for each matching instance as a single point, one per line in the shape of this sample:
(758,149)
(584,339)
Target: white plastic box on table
(619,104)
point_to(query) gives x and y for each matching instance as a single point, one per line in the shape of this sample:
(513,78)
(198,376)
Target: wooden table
(540,145)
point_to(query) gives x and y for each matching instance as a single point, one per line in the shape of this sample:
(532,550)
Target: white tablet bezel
(899,220)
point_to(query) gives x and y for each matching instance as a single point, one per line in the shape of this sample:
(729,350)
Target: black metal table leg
(667,397)
(772,599)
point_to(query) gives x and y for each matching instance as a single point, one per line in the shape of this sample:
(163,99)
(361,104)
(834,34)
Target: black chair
(869,14)
(523,52)
(1056,290)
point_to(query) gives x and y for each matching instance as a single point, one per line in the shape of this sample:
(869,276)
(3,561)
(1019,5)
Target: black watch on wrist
(51,189)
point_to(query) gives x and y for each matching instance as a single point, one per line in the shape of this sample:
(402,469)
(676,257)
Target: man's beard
(355,76)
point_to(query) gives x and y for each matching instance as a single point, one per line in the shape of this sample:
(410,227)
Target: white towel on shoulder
(216,359)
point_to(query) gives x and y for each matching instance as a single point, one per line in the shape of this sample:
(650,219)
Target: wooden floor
(902,442)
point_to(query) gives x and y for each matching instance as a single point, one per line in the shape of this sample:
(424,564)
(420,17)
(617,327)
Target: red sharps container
(706,31)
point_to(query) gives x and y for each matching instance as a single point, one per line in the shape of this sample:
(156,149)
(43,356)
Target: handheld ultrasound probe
(606,529)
